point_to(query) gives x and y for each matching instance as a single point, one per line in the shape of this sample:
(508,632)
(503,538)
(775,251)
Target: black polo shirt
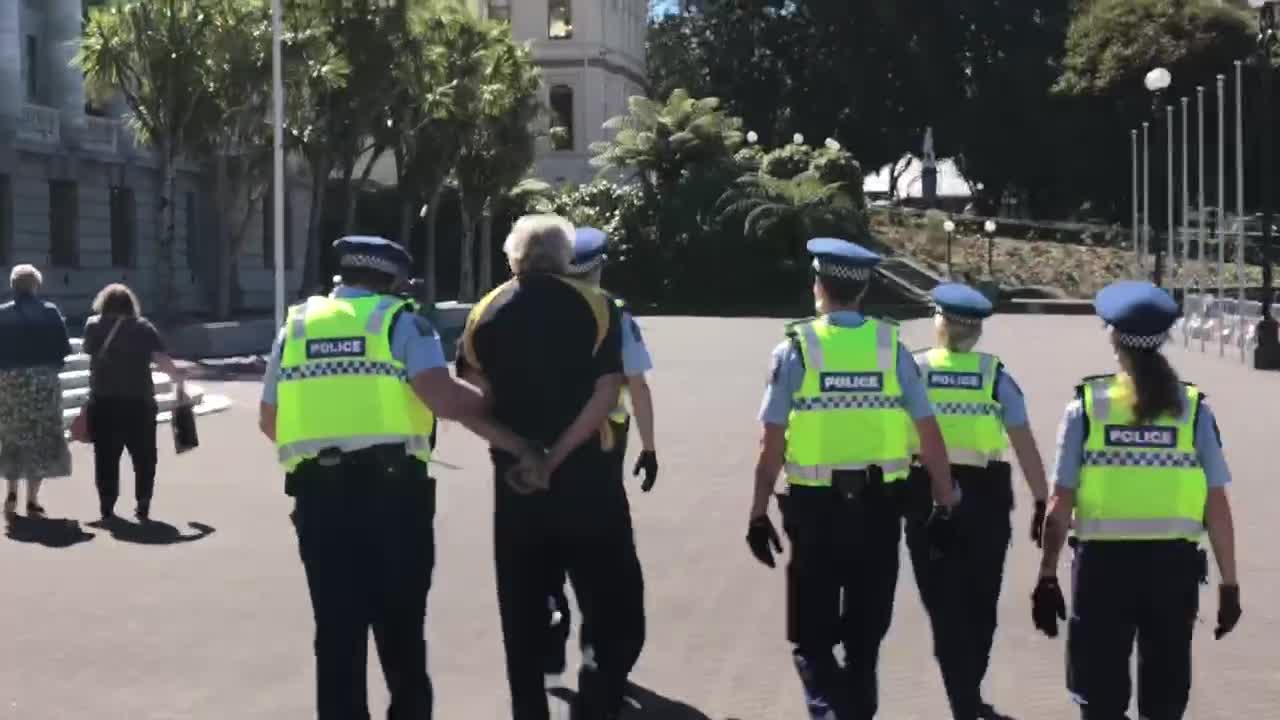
(541,342)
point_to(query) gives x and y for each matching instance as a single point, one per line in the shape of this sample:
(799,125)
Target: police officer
(589,256)
(978,404)
(352,391)
(1140,465)
(841,395)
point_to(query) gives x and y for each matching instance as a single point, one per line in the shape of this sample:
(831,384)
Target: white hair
(25,278)
(540,243)
(954,336)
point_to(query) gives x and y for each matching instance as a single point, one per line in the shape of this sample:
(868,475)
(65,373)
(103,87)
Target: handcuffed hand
(1037,524)
(530,474)
(1048,606)
(1228,610)
(648,464)
(760,536)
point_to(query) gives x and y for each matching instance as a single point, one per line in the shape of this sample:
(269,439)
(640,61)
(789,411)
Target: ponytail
(1157,388)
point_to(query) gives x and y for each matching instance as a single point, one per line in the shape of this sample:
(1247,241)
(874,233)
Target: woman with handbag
(33,348)
(121,412)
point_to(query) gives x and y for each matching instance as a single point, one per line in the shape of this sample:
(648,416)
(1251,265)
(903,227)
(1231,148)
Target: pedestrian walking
(33,349)
(1140,468)
(981,411)
(352,391)
(589,257)
(547,349)
(841,394)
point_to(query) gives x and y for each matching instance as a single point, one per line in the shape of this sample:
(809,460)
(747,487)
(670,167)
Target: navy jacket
(33,333)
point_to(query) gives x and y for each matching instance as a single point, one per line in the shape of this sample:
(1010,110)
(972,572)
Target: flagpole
(277,185)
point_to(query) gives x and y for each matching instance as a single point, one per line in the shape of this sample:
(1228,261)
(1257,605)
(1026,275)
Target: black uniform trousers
(365,532)
(960,589)
(581,526)
(1147,589)
(841,577)
(559,600)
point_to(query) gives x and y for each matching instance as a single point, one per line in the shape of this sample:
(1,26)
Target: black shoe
(34,510)
(143,513)
(987,712)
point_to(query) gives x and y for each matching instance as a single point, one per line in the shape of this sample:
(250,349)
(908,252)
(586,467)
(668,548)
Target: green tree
(152,52)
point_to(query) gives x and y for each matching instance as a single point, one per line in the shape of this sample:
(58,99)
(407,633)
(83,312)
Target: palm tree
(793,209)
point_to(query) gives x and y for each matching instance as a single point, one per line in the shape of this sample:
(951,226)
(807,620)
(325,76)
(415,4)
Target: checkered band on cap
(958,319)
(1141,342)
(844,272)
(372,262)
(586,266)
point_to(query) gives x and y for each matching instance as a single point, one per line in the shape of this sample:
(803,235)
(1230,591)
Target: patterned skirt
(32,443)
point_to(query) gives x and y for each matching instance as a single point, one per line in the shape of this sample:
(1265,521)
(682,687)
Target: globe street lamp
(1156,82)
(989,228)
(1267,355)
(950,227)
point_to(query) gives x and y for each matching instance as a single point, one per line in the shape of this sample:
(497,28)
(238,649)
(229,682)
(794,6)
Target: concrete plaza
(207,615)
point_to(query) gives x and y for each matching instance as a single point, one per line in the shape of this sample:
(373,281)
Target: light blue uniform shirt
(414,342)
(635,356)
(1066,471)
(787,374)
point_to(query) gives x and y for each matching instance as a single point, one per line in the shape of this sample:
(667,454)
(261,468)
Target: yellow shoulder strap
(479,313)
(597,301)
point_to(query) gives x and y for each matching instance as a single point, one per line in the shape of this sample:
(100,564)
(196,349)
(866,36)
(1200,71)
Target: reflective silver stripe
(823,472)
(1101,402)
(885,351)
(922,362)
(850,401)
(374,326)
(1145,527)
(812,346)
(334,368)
(966,408)
(299,328)
(985,363)
(972,458)
(310,448)
(1141,458)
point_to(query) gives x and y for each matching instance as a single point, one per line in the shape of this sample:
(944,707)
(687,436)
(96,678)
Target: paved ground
(209,619)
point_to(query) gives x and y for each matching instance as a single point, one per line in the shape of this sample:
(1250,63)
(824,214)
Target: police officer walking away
(547,349)
(352,391)
(589,256)
(834,422)
(1140,464)
(978,404)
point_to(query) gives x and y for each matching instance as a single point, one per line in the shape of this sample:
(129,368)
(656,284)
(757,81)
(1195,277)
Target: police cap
(961,303)
(1139,313)
(373,253)
(589,245)
(842,259)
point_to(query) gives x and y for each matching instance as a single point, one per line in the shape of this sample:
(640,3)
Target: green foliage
(834,164)
(787,161)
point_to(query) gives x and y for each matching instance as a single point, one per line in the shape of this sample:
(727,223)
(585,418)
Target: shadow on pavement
(49,532)
(643,703)
(152,532)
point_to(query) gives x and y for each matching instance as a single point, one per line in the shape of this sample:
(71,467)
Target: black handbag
(185,437)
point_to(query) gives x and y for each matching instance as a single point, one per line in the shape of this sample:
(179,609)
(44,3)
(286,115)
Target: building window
(562,117)
(559,19)
(500,10)
(269,232)
(64,224)
(124,225)
(6,220)
(31,66)
(190,221)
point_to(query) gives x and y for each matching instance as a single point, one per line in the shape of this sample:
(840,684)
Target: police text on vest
(961,380)
(1141,436)
(335,348)
(851,381)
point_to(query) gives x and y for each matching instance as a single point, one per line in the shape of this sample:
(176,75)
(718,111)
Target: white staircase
(75,390)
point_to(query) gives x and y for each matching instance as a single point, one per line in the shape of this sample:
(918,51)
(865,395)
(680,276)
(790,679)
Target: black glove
(1048,606)
(760,535)
(647,462)
(1228,610)
(940,529)
(1037,524)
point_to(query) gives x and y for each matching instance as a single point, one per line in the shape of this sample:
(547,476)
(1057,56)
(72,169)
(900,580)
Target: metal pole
(1137,239)
(278,190)
(1182,236)
(1222,203)
(1146,193)
(1170,253)
(1240,241)
(1267,355)
(1200,183)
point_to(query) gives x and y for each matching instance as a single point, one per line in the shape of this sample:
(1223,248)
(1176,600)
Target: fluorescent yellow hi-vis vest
(962,389)
(340,383)
(848,414)
(1138,482)
(619,413)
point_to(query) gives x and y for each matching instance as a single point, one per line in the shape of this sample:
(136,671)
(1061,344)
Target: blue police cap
(588,250)
(837,258)
(961,303)
(1139,313)
(373,253)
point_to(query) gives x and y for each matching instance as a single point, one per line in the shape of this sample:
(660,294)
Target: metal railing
(40,123)
(101,133)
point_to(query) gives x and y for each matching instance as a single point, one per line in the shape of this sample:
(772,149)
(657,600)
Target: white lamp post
(277,184)
(1156,82)
(950,227)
